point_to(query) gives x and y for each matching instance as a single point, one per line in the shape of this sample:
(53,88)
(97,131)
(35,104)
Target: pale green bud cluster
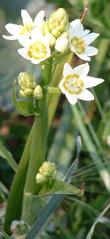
(58,22)
(26,84)
(47,171)
(28,87)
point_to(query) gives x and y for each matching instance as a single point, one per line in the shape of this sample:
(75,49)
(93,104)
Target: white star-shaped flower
(35,49)
(80,40)
(75,81)
(19,31)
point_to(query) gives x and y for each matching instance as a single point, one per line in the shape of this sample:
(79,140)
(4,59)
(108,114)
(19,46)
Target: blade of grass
(91,147)
(4,153)
(98,219)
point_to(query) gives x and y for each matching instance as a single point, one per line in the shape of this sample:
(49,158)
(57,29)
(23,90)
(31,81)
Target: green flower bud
(40,178)
(26,81)
(48,169)
(38,92)
(58,22)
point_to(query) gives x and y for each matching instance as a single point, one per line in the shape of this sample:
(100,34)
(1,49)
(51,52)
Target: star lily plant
(50,43)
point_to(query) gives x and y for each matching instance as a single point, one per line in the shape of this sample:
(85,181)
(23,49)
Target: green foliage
(4,153)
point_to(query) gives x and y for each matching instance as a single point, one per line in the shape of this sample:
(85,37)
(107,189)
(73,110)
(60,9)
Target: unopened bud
(47,171)
(52,40)
(62,43)
(38,92)
(58,22)
(40,178)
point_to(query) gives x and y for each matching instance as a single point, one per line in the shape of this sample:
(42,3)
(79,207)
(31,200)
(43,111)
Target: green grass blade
(91,147)
(4,153)
(98,219)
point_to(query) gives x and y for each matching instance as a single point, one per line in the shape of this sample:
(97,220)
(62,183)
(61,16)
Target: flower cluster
(41,39)
(46,171)
(28,86)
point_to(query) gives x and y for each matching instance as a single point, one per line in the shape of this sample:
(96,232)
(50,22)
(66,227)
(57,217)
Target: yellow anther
(79,44)
(37,50)
(73,84)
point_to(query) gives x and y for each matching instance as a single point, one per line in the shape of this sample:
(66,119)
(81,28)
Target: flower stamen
(79,44)
(37,50)
(73,84)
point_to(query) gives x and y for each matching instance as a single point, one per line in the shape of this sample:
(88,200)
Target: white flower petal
(10,37)
(92,81)
(71,98)
(82,69)
(13,29)
(91,51)
(67,70)
(61,44)
(34,61)
(90,37)
(24,41)
(39,18)
(86,95)
(74,23)
(23,53)
(36,34)
(26,17)
(86,31)
(83,56)
(76,29)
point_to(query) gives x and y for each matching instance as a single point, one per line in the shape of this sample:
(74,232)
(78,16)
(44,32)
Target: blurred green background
(89,120)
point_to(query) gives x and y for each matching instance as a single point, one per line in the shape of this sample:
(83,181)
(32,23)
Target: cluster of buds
(28,87)
(46,172)
(26,84)
(58,22)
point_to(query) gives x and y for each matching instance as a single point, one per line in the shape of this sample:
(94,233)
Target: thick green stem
(38,148)
(37,156)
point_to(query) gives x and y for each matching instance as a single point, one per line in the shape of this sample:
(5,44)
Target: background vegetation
(73,218)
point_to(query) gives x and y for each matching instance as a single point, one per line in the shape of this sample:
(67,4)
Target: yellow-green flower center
(73,84)
(37,50)
(26,29)
(79,44)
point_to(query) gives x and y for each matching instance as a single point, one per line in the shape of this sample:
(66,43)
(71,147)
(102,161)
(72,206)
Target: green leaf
(14,205)
(61,187)
(91,147)
(4,153)
(26,106)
